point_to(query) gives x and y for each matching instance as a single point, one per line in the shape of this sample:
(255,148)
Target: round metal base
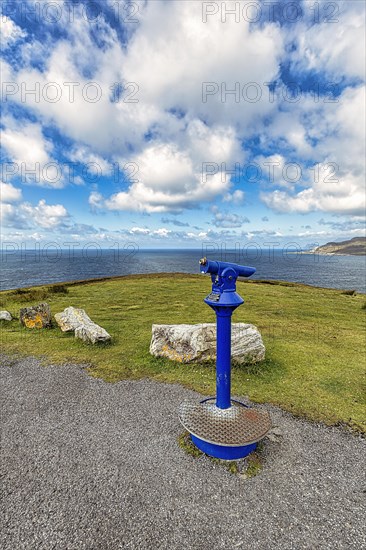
(222,452)
(224,433)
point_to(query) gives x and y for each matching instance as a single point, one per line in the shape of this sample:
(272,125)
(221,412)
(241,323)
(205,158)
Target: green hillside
(314,337)
(353,247)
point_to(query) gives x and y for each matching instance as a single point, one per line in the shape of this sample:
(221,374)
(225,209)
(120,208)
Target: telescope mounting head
(223,277)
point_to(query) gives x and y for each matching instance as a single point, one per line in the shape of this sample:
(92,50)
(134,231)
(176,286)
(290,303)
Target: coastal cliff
(354,247)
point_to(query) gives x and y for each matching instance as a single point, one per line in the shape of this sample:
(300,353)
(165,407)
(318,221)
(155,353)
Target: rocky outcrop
(75,319)
(197,343)
(36,316)
(5,316)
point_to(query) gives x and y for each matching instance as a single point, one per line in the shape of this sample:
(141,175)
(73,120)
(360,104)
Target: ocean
(37,267)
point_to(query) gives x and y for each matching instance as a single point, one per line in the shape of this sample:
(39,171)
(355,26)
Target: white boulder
(75,319)
(5,316)
(197,343)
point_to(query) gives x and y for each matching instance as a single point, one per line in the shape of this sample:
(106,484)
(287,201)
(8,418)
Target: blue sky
(178,124)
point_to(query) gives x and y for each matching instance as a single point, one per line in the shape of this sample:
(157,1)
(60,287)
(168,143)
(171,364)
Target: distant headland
(353,247)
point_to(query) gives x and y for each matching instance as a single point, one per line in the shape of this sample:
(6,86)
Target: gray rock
(188,343)
(38,316)
(5,316)
(75,319)
(93,333)
(71,318)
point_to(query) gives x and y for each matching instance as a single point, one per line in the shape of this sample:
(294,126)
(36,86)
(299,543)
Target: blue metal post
(223,357)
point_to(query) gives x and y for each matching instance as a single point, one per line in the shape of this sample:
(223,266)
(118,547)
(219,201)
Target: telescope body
(217,268)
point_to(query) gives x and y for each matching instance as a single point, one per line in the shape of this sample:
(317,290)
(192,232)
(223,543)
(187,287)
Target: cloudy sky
(177,123)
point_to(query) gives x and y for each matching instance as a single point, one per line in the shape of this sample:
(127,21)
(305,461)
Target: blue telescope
(224,300)
(220,426)
(223,277)
(217,268)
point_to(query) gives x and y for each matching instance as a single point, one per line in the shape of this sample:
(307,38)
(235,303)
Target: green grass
(315,339)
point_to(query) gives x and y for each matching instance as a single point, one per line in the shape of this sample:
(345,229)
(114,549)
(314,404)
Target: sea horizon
(33,267)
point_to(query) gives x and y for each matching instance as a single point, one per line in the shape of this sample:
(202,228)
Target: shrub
(37,294)
(27,295)
(58,289)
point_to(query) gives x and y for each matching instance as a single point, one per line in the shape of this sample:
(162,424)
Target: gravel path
(91,465)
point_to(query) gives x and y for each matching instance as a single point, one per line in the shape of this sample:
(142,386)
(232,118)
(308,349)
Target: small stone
(76,319)
(5,316)
(36,316)
(275,434)
(277,431)
(188,343)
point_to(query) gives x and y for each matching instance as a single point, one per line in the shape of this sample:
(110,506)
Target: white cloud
(334,46)
(169,179)
(170,131)
(236,197)
(8,212)
(21,236)
(25,215)
(172,177)
(6,75)
(27,147)
(227,219)
(26,143)
(215,144)
(276,171)
(336,183)
(45,215)
(10,32)
(161,232)
(206,52)
(347,197)
(262,234)
(9,193)
(96,163)
(170,70)
(140,231)
(165,168)
(95,200)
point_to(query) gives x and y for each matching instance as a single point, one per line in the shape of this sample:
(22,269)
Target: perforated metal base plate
(238,425)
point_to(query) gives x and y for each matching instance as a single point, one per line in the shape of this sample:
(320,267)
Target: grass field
(315,338)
